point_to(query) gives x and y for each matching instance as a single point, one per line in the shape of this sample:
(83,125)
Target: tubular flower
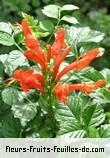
(36,58)
(50,63)
(87,87)
(32,44)
(59,43)
(29,80)
(62,90)
(49,55)
(82,62)
(59,59)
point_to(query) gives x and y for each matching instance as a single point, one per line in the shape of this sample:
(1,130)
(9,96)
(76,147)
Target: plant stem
(51,112)
(18,46)
(55,28)
(76,49)
(29,101)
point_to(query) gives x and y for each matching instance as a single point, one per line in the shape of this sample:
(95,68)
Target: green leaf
(69,7)
(93,132)
(10,96)
(106,73)
(32,22)
(46,25)
(3,58)
(51,11)
(70,19)
(78,116)
(6,39)
(5,27)
(1,69)
(104,131)
(36,3)
(42,34)
(86,47)
(101,96)
(93,115)
(91,74)
(68,116)
(15,59)
(35,127)
(83,34)
(35,27)
(24,112)
(10,127)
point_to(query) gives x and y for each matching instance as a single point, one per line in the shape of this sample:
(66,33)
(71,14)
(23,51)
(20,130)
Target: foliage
(34,113)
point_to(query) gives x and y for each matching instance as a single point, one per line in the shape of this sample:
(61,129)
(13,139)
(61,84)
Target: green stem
(51,112)
(18,46)
(76,49)
(55,28)
(30,101)
(52,118)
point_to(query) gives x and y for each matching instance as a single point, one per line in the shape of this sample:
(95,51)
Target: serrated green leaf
(106,73)
(93,115)
(5,27)
(74,134)
(46,25)
(68,116)
(3,58)
(51,11)
(10,127)
(101,96)
(69,7)
(83,34)
(15,59)
(78,116)
(24,112)
(10,96)
(76,110)
(70,19)
(91,74)
(6,39)
(93,132)
(104,131)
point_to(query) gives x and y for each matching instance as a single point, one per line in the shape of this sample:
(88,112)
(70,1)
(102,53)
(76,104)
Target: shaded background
(93,13)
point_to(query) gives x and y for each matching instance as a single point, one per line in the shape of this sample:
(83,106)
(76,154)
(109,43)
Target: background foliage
(96,108)
(10,10)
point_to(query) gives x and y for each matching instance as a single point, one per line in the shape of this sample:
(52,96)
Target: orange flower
(57,52)
(29,80)
(62,90)
(87,87)
(33,46)
(59,43)
(33,56)
(82,62)
(25,28)
(59,59)
(49,55)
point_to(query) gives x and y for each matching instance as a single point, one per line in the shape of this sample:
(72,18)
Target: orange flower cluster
(29,80)
(57,52)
